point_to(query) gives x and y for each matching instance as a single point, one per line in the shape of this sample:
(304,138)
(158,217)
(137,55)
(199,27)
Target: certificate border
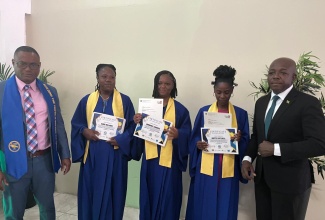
(163,135)
(118,130)
(234,130)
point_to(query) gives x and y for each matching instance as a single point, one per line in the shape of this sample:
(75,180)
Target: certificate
(153,129)
(216,119)
(107,125)
(219,140)
(152,107)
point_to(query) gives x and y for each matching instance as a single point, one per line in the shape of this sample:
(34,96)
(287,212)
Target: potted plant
(308,80)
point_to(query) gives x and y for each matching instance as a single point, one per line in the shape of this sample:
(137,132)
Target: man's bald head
(281,75)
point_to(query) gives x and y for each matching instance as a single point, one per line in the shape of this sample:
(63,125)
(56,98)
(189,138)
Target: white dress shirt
(282,95)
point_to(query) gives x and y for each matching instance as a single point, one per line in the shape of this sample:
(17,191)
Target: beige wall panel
(189,38)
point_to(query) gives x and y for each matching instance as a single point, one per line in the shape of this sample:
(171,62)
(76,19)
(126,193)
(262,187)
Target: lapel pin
(288,102)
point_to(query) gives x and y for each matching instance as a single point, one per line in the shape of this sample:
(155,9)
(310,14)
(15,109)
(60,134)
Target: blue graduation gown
(213,197)
(161,187)
(103,178)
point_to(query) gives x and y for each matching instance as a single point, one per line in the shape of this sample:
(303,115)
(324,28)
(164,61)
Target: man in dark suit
(288,128)
(33,139)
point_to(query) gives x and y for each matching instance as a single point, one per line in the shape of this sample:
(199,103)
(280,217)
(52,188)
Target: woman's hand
(90,134)
(238,136)
(201,145)
(112,141)
(3,181)
(172,133)
(137,118)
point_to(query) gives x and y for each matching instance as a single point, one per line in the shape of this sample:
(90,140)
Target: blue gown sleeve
(180,144)
(125,139)
(243,126)
(137,148)
(195,137)
(78,124)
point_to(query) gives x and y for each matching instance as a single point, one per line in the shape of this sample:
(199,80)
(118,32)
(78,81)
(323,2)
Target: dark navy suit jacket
(299,127)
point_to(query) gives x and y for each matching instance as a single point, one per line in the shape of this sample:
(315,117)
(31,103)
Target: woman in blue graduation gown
(103,164)
(215,178)
(161,173)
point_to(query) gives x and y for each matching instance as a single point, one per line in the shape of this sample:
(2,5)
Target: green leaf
(45,74)
(5,72)
(320,170)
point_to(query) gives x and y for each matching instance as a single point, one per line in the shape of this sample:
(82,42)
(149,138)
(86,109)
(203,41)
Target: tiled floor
(66,209)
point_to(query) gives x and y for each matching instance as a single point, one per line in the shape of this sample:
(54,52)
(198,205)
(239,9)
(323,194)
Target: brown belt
(38,153)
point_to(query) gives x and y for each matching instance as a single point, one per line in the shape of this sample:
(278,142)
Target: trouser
(40,178)
(271,205)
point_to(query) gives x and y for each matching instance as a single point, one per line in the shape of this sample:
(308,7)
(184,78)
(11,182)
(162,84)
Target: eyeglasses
(23,65)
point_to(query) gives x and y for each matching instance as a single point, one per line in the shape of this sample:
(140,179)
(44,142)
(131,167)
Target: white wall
(12,30)
(189,38)
(12,27)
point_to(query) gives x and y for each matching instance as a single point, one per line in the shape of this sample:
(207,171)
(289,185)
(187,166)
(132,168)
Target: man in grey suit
(34,143)
(288,128)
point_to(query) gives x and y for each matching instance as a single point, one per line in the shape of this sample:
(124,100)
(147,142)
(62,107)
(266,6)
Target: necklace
(104,102)
(104,98)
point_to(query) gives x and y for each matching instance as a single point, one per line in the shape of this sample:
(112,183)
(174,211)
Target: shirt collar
(21,84)
(283,94)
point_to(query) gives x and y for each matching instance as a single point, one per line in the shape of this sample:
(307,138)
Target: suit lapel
(262,114)
(287,102)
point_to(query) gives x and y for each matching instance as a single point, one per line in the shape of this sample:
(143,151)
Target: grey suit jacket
(63,147)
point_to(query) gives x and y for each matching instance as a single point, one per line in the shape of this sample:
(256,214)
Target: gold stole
(117,106)
(166,153)
(228,161)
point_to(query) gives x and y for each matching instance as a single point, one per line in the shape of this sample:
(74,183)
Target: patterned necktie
(30,120)
(269,114)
